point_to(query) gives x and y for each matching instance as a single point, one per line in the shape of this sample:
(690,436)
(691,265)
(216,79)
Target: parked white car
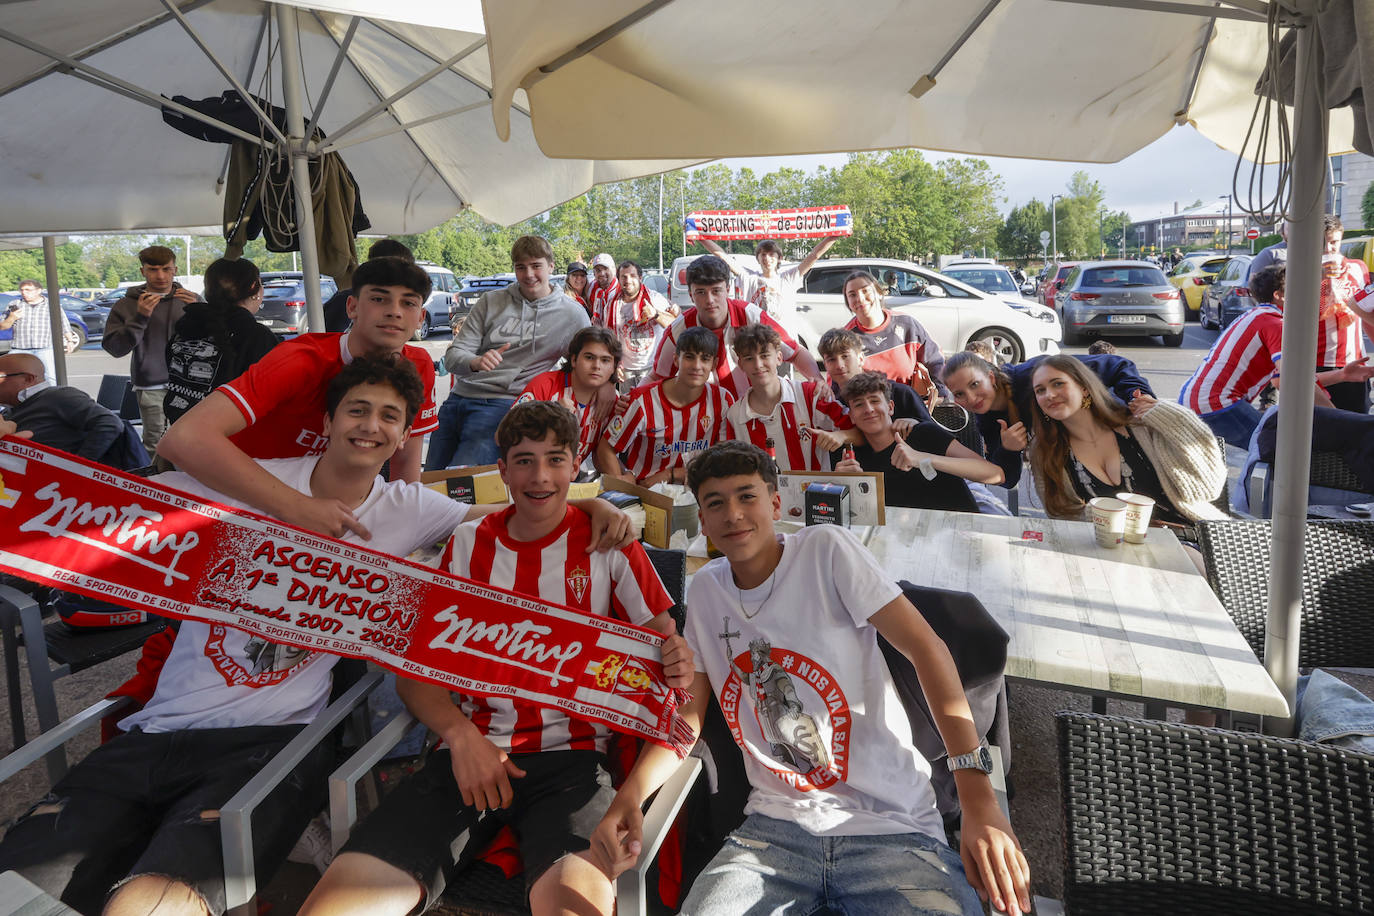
(954,313)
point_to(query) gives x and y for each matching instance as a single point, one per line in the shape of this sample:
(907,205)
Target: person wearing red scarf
(637,317)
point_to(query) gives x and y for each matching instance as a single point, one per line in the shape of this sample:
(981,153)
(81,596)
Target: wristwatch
(980,758)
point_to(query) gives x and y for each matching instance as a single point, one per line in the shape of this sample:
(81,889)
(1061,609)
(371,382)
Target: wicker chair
(1330,480)
(1338,582)
(1177,819)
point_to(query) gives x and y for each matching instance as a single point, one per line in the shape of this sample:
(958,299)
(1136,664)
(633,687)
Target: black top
(1144,479)
(197,364)
(910,489)
(336,312)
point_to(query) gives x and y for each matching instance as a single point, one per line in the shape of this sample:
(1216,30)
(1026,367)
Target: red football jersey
(730,376)
(1241,362)
(591,421)
(282,396)
(801,406)
(654,435)
(620,584)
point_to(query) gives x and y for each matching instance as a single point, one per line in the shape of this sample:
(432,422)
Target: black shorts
(148,804)
(424,829)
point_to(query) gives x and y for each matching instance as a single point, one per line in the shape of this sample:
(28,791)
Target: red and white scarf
(85,528)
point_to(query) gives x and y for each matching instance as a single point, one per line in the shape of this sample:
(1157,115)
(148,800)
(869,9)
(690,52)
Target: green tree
(970,191)
(1367,207)
(1019,236)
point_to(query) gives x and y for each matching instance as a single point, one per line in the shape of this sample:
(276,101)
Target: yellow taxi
(1194,274)
(1361,249)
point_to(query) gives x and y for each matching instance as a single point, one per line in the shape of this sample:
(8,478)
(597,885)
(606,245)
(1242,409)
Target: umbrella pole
(292,90)
(55,316)
(1294,452)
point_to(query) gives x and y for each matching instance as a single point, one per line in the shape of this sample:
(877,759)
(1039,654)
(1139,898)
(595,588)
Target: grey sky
(1181,166)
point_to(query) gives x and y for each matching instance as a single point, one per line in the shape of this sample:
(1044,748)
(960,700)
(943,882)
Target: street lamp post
(1054,224)
(1125,224)
(1228,224)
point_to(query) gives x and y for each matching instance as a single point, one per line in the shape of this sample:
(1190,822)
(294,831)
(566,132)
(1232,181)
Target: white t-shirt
(216,675)
(776,295)
(827,744)
(638,339)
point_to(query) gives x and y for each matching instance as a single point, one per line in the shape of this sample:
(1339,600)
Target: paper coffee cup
(1109,520)
(1138,509)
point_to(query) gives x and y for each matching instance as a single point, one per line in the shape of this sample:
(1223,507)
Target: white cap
(604,260)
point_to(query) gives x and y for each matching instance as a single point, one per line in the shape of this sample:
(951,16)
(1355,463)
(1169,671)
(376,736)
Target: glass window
(1122,277)
(827,280)
(988,279)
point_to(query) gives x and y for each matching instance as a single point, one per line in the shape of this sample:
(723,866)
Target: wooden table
(1137,621)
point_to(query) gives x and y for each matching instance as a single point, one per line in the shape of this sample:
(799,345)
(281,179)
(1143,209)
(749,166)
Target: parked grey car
(1125,298)
(1227,296)
(283,300)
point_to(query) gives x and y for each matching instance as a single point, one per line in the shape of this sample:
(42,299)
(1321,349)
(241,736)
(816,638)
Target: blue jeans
(769,866)
(45,356)
(466,433)
(1235,424)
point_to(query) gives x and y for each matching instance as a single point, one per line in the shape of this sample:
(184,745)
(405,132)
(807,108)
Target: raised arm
(815,254)
(198,443)
(719,252)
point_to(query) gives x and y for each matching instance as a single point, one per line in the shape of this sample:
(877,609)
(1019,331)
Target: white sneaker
(313,847)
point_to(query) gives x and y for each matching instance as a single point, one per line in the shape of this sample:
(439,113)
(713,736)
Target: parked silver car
(1119,298)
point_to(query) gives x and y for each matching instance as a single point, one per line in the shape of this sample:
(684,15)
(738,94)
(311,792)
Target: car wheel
(1173,340)
(1004,343)
(423,330)
(80,336)
(1202,318)
(1070,337)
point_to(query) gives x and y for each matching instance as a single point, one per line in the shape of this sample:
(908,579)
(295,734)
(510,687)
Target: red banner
(795,223)
(92,530)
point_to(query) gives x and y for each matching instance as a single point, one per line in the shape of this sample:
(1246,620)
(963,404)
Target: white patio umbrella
(400,89)
(1090,80)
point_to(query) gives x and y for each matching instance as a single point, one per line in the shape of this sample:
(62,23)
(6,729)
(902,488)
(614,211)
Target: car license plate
(264,322)
(1125,319)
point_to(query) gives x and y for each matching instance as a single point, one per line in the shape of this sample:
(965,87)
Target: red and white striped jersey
(654,434)
(600,298)
(800,406)
(591,418)
(1340,337)
(620,584)
(730,376)
(1241,362)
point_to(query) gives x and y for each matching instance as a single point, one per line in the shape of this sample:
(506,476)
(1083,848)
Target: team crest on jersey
(578,582)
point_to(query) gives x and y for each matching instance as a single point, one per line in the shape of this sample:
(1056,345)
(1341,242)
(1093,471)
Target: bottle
(772,453)
(849,453)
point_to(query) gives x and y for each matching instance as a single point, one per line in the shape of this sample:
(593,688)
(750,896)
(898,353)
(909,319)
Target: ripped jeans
(148,804)
(774,867)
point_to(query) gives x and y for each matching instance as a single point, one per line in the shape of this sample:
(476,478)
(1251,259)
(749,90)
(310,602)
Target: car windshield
(1064,272)
(1123,277)
(279,289)
(986,279)
(1211,267)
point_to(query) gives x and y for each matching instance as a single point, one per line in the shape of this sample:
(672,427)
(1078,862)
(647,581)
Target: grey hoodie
(538,333)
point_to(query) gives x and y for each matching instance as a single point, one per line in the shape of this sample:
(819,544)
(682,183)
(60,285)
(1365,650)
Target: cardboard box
(865,494)
(477,485)
(658,510)
(827,504)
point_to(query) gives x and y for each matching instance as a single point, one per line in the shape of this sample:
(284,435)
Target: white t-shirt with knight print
(797,670)
(218,676)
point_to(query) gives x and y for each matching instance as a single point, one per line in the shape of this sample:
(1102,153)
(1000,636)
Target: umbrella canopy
(1026,78)
(85,148)
(1091,80)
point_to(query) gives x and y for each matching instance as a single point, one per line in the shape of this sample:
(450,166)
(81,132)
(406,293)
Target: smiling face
(768,261)
(594,365)
(1058,395)
(844,364)
(737,514)
(577,281)
(533,276)
(712,303)
(384,317)
(871,413)
(538,473)
(864,302)
(974,391)
(694,369)
(629,283)
(368,426)
(761,366)
(603,276)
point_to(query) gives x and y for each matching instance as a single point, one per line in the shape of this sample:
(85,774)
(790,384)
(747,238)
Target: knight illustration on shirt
(792,734)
